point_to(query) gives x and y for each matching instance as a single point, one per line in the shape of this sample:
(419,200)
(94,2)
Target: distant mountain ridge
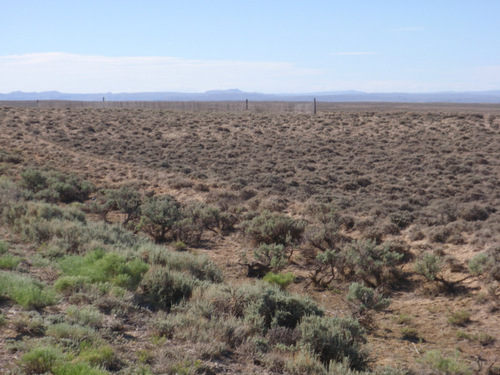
(237,95)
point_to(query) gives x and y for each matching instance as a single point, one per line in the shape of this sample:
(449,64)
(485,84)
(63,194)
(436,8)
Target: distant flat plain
(262,106)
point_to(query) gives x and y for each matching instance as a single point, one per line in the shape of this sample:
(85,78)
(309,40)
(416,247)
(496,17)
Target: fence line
(192,106)
(259,106)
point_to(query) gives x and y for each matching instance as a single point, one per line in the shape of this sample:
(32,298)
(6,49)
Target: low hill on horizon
(237,95)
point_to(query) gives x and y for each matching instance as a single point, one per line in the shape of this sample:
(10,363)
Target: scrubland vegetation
(157,242)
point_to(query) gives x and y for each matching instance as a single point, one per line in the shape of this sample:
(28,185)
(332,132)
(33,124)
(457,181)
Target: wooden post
(314,108)
(246,104)
(103,98)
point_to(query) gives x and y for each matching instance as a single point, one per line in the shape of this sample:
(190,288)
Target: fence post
(246,105)
(314,108)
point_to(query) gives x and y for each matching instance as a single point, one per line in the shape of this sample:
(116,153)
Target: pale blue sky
(264,46)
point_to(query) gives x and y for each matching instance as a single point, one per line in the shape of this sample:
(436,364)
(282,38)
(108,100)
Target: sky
(257,46)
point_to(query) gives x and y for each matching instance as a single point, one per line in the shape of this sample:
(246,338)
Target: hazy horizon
(332,92)
(278,47)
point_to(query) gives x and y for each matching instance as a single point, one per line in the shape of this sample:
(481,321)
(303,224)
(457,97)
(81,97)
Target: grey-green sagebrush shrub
(71,188)
(33,180)
(335,339)
(10,196)
(360,260)
(487,263)
(272,256)
(402,219)
(50,212)
(474,213)
(55,186)
(66,228)
(128,201)
(206,216)
(372,263)
(478,264)
(273,307)
(326,233)
(305,362)
(102,204)
(164,288)
(272,228)
(188,231)
(159,214)
(199,266)
(266,257)
(220,300)
(365,298)
(327,266)
(196,217)
(429,265)
(11,156)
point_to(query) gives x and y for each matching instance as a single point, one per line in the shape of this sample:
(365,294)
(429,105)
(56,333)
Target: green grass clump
(409,333)
(461,335)
(85,315)
(41,359)
(305,362)
(25,291)
(102,355)
(73,332)
(404,319)
(29,323)
(99,266)
(44,359)
(4,247)
(9,262)
(282,280)
(459,318)
(68,285)
(78,368)
(448,365)
(483,338)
